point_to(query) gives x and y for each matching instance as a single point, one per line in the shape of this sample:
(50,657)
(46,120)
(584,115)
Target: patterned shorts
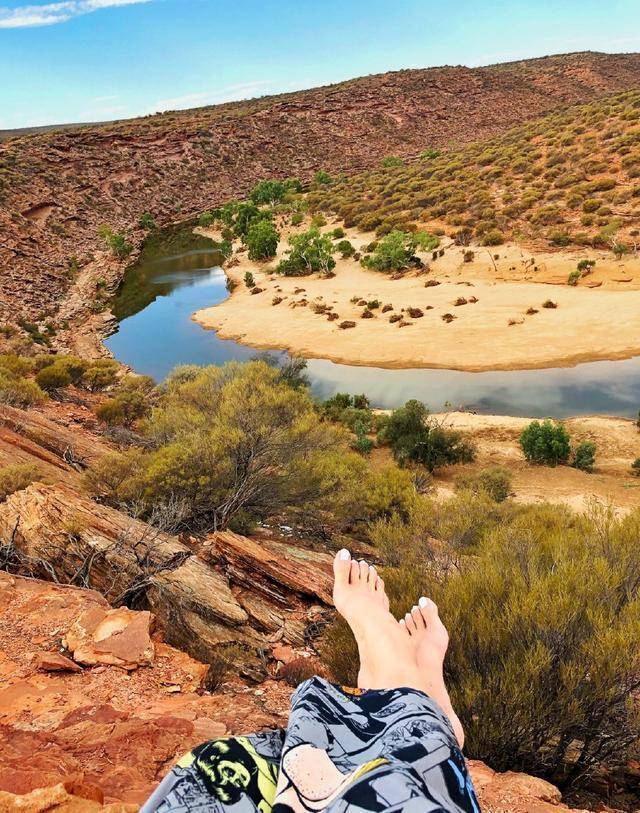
(343,751)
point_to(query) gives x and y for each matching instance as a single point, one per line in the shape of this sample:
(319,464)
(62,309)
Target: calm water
(178,274)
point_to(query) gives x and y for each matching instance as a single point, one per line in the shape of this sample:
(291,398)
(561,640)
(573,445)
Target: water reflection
(178,274)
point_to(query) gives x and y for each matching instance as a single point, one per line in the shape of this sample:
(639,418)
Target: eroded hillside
(57,188)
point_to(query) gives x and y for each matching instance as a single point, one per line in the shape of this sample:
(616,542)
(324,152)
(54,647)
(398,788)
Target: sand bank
(597,319)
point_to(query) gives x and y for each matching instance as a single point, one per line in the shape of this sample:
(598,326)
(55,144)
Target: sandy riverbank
(598,319)
(496,438)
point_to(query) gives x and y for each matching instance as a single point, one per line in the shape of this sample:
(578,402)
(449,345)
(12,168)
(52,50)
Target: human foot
(387,659)
(430,640)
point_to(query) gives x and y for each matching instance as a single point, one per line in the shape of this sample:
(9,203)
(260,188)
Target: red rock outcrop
(57,187)
(101,738)
(235,591)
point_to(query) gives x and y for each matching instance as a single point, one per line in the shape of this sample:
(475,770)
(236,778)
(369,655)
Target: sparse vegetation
(116,242)
(16,477)
(495,481)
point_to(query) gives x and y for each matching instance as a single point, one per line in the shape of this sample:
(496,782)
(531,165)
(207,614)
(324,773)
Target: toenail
(344,554)
(423,602)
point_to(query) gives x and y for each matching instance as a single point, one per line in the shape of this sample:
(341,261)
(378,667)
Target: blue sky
(91,60)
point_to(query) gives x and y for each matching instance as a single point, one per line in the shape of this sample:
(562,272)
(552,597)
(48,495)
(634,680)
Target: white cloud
(52,13)
(231,93)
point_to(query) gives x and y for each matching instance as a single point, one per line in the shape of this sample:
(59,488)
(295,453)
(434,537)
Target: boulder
(117,637)
(55,662)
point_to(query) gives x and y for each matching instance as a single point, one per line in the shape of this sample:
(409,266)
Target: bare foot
(430,640)
(387,658)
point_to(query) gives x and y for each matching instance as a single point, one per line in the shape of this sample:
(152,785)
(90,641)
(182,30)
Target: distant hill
(58,186)
(568,178)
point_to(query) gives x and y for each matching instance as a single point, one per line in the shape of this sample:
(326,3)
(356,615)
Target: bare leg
(387,658)
(430,640)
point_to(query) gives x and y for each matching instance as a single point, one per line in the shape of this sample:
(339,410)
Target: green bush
(584,456)
(269,192)
(206,219)
(249,281)
(544,617)
(310,252)
(53,377)
(635,467)
(415,437)
(573,278)
(297,218)
(16,477)
(262,240)
(146,221)
(345,248)
(100,374)
(116,241)
(394,252)
(132,402)
(238,438)
(545,443)
(20,392)
(495,481)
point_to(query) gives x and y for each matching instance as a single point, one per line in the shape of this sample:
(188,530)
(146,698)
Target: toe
(410,624)
(354,574)
(341,567)
(417,617)
(364,571)
(403,625)
(372,578)
(428,610)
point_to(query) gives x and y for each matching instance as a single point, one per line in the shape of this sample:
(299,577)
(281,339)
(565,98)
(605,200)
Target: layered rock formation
(56,188)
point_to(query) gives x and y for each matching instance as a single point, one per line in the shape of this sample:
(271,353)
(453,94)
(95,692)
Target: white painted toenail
(344,554)
(401,621)
(423,602)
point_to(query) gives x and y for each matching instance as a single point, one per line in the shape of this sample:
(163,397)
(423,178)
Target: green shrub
(238,438)
(206,219)
(262,240)
(53,377)
(493,237)
(345,248)
(545,443)
(16,477)
(20,392)
(544,617)
(146,221)
(249,281)
(394,252)
(116,241)
(100,374)
(573,278)
(132,402)
(495,481)
(297,218)
(415,437)
(635,467)
(310,252)
(269,192)
(584,456)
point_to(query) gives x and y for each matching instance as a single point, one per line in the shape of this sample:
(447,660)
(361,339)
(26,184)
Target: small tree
(545,443)
(584,456)
(262,240)
(394,252)
(416,437)
(269,192)
(310,251)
